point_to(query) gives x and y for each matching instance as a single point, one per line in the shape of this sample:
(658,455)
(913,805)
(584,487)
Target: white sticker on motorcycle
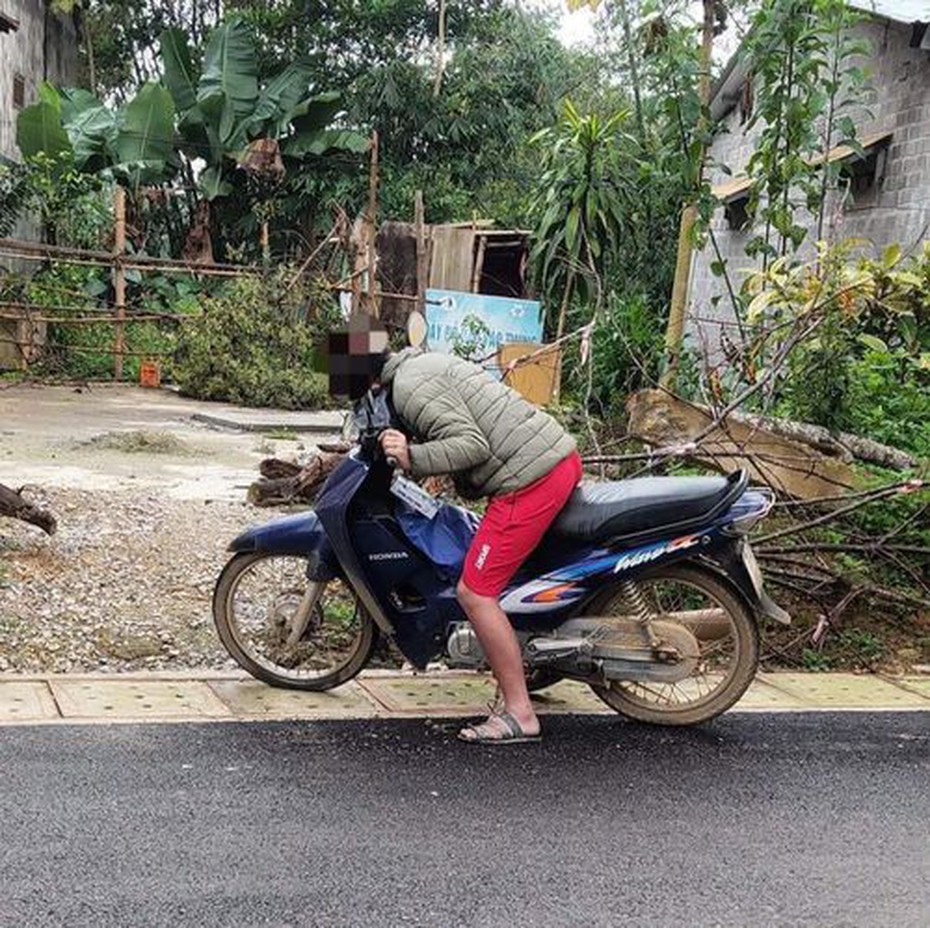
(415,497)
(647,555)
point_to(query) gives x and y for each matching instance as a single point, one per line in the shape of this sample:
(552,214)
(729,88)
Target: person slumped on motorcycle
(496,445)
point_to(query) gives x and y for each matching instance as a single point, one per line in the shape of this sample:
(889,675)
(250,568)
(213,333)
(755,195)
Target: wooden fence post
(119,279)
(371,220)
(419,221)
(266,245)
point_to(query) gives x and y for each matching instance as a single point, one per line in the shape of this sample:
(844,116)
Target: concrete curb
(216,696)
(304,424)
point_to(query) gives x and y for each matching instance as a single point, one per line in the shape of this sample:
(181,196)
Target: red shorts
(514,524)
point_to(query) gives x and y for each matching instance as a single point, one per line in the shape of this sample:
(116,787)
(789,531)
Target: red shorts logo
(482,556)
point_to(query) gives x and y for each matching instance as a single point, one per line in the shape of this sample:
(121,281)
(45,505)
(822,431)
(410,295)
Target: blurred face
(356,356)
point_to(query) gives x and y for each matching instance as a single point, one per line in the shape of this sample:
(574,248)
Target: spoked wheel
(727,647)
(287,630)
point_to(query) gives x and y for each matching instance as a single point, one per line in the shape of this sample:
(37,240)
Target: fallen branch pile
(836,539)
(285,482)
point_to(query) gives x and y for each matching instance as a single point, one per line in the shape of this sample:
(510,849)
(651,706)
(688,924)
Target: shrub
(866,367)
(255,344)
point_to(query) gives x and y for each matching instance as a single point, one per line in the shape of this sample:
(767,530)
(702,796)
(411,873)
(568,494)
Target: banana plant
(224,109)
(214,112)
(134,144)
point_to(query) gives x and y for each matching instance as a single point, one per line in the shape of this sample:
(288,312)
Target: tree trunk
(559,332)
(440,49)
(13,505)
(678,309)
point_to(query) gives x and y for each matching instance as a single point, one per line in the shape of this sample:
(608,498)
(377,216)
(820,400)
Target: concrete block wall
(897,211)
(43,48)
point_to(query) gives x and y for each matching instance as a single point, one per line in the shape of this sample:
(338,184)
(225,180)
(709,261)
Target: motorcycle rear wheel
(729,652)
(255,607)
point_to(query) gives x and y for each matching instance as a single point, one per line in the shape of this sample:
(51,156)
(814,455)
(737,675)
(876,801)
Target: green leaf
(91,128)
(228,90)
(316,112)
(873,343)
(145,142)
(212,183)
(49,94)
(180,74)
(198,137)
(39,128)
(760,302)
(279,99)
(572,223)
(318,142)
(891,256)
(74,101)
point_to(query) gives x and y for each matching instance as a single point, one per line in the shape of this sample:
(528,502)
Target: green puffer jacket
(471,425)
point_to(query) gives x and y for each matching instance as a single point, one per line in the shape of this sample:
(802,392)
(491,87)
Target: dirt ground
(147,498)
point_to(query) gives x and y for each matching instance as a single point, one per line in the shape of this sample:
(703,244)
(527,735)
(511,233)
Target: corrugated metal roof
(903,11)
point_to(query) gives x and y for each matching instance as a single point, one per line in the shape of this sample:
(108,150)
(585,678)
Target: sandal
(484,733)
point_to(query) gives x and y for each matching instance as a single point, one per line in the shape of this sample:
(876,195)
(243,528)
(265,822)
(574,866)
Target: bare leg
(503,653)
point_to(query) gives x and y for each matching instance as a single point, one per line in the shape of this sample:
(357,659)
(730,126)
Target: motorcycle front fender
(300,535)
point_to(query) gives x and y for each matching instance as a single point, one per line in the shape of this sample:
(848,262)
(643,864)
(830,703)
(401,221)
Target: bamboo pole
(15,248)
(479,264)
(559,332)
(678,309)
(101,319)
(119,280)
(84,349)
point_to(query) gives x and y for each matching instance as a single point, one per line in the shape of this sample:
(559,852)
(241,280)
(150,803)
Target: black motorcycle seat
(645,506)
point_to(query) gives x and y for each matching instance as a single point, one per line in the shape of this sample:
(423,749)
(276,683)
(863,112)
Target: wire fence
(24,320)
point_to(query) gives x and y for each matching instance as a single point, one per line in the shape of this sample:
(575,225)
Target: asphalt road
(808,819)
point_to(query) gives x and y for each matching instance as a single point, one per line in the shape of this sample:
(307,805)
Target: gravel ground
(147,497)
(125,584)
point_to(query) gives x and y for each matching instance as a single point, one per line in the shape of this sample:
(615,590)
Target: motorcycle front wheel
(727,640)
(287,630)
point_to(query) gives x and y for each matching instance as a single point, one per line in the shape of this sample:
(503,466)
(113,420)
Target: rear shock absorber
(636,603)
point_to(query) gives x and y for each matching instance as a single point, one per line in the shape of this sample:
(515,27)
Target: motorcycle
(646,590)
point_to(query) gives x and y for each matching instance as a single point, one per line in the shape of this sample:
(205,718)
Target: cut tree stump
(786,464)
(15,506)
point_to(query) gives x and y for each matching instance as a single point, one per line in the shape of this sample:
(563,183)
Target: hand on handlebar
(396,450)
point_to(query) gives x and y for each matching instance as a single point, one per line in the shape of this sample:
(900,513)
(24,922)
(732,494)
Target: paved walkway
(106,698)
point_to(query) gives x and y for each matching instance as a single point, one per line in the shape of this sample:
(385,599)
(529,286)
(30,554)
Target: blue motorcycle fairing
(300,535)
(334,503)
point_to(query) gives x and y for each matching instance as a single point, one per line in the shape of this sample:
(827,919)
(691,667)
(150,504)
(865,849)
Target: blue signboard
(481,322)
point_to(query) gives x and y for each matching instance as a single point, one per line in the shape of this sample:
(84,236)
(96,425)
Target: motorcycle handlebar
(373,417)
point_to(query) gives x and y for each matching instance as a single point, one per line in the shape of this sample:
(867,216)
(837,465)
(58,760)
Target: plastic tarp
(444,539)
